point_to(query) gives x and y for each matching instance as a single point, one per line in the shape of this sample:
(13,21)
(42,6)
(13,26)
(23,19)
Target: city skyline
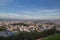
(30,9)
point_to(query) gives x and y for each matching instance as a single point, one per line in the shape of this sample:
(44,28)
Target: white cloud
(52,12)
(40,14)
(17,16)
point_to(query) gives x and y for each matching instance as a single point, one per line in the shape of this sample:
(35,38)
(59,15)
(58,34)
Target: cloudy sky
(30,9)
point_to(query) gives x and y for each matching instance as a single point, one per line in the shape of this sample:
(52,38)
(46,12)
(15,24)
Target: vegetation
(2,28)
(32,35)
(54,37)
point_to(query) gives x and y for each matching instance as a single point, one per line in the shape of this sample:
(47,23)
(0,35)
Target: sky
(30,9)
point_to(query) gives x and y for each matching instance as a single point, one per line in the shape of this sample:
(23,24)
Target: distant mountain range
(42,20)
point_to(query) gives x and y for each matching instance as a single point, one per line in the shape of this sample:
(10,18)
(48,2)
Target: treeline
(31,35)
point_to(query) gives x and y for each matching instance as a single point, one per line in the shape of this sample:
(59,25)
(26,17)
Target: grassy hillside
(54,37)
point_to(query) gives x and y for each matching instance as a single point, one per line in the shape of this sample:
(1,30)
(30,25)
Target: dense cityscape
(29,26)
(12,28)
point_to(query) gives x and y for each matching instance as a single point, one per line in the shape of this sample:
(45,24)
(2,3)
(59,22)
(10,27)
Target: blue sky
(30,9)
